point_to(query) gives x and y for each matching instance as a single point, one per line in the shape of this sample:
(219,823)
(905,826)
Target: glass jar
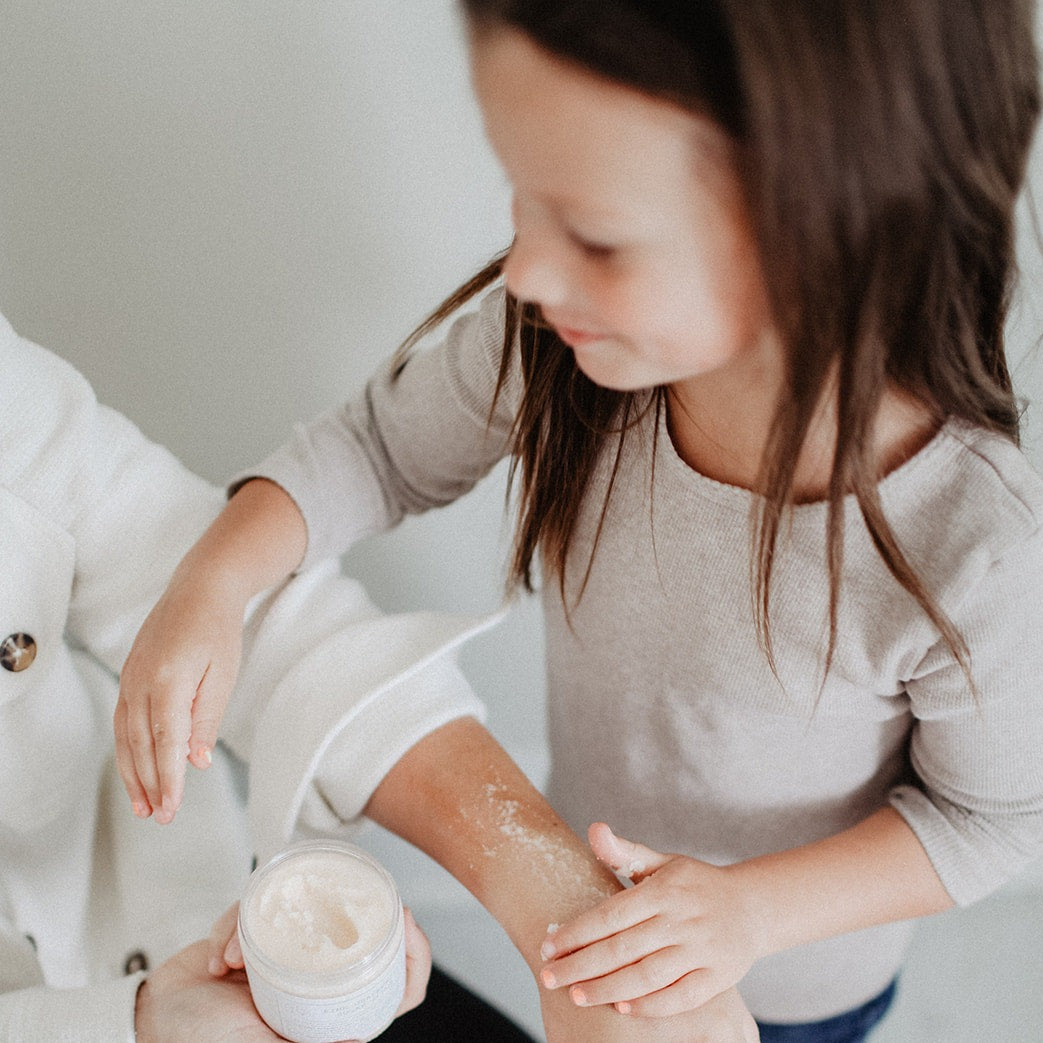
(323,938)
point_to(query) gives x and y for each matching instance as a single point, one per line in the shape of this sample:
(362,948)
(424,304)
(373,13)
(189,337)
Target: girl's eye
(597,251)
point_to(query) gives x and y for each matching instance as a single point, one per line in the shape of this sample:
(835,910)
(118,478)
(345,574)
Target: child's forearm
(258,540)
(459,797)
(876,872)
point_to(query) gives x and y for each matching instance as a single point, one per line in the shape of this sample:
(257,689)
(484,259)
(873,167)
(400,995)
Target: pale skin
(184,1000)
(448,795)
(505,843)
(633,238)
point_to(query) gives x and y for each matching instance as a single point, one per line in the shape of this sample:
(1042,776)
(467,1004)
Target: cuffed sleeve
(321,666)
(978,755)
(29,1010)
(102,1013)
(356,760)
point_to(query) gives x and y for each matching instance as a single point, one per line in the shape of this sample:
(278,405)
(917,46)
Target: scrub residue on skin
(317,913)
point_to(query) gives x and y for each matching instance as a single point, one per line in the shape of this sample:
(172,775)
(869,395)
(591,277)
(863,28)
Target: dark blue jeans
(852,1027)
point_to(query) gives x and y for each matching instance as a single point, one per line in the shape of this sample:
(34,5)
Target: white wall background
(225,213)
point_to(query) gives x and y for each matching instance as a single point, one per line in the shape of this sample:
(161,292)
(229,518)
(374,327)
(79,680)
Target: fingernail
(579,997)
(140,809)
(547,950)
(548,979)
(203,754)
(623,1007)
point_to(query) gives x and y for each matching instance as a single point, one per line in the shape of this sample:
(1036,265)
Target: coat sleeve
(332,687)
(101,1013)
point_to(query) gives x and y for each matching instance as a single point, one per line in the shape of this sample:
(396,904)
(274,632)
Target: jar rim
(338,847)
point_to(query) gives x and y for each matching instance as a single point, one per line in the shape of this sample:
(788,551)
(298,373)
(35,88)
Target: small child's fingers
(125,764)
(625,857)
(220,955)
(660,974)
(606,956)
(622,912)
(208,710)
(688,993)
(143,753)
(170,731)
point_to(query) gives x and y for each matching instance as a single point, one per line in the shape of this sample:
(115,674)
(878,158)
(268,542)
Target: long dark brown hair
(882,145)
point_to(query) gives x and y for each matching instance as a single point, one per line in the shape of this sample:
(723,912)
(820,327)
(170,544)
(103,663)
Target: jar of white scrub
(323,939)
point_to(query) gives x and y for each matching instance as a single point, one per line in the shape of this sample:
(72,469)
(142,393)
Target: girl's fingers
(687,993)
(654,974)
(142,752)
(625,857)
(125,764)
(606,956)
(171,728)
(208,710)
(619,913)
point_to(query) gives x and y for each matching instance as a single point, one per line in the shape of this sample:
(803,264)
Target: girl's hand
(179,675)
(670,944)
(174,688)
(224,954)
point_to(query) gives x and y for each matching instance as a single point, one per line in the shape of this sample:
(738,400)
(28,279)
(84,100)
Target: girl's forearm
(876,872)
(255,542)
(460,798)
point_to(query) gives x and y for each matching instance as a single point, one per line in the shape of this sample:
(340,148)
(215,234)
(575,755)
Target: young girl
(746,355)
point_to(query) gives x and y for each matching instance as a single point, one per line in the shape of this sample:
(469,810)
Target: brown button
(17,652)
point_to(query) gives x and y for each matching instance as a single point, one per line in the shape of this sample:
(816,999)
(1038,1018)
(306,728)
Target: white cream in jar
(323,939)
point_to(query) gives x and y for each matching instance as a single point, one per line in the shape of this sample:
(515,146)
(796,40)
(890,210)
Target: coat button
(17,652)
(136,961)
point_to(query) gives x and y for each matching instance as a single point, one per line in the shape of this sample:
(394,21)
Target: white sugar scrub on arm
(323,939)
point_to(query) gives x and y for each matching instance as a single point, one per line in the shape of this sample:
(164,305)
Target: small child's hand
(665,946)
(174,688)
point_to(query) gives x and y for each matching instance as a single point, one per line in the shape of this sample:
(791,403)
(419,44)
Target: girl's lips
(576,338)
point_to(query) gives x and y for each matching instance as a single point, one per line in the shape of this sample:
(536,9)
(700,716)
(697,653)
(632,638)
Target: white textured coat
(93,519)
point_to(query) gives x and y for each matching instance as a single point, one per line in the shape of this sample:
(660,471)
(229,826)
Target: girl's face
(630,228)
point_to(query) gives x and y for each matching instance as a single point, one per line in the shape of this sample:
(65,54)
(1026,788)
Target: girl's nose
(534,273)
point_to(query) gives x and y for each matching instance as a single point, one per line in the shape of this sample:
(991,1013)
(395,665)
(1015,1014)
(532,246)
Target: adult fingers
(219,942)
(418,965)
